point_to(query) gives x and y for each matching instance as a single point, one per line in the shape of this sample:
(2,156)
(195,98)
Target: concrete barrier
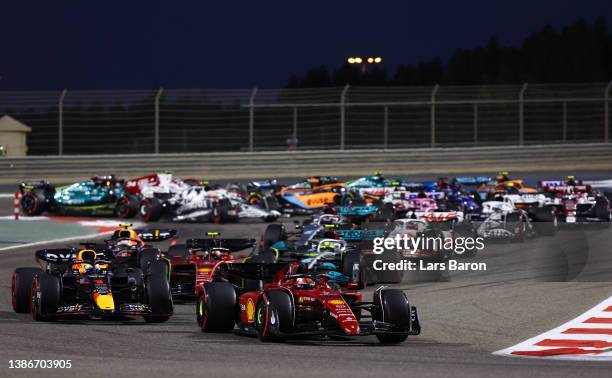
(322,162)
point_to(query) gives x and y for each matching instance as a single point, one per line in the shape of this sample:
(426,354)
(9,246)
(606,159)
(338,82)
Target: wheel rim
(145,212)
(201,312)
(259,317)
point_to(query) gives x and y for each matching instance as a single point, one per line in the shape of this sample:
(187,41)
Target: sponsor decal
(250,310)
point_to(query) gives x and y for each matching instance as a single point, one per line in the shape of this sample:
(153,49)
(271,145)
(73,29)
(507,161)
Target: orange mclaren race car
(315,192)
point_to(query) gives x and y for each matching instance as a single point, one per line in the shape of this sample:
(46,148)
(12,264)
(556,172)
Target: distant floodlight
(358,60)
(377,59)
(351,60)
(370,60)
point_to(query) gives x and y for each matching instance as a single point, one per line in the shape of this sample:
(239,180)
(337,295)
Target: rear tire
(126,207)
(516,224)
(150,209)
(216,307)
(392,307)
(221,211)
(32,203)
(545,221)
(45,297)
(21,285)
(602,211)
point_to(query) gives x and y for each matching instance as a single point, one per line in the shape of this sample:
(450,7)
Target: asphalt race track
(528,288)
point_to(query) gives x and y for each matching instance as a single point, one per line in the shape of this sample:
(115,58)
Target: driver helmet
(217,253)
(327,246)
(305,283)
(84,260)
(127,243)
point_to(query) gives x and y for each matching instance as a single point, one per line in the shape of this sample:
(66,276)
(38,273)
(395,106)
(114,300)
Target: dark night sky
(237,44)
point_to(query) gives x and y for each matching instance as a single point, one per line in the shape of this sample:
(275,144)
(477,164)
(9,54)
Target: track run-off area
(528,292)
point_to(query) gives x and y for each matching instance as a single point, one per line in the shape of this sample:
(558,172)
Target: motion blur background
(470,73)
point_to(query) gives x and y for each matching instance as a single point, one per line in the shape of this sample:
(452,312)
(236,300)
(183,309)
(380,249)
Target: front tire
(126,207)
(277,312)
(392,307)
(159,298)
(216,307)
(150,209)
(273,234)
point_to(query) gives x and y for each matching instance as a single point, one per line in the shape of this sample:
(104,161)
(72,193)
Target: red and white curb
(587,337)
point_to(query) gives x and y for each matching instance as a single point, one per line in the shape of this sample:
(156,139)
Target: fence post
(433,115)
(607,112)
(157,97)
(342,115)
(564,121)
(60,123)
(522,114)
(386,128)
(252,118)
(295,125)
(475,124)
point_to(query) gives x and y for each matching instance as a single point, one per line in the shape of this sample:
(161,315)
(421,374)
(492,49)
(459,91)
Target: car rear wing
(473,180)
(409,195)
(33,185)
(359,235)
(349,211)
(251,271)
(560,186)
(64,256)
(155,234)
(233,245)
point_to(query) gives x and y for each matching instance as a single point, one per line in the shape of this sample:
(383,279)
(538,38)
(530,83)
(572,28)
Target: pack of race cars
(298,281)
(498,207)
(126,277)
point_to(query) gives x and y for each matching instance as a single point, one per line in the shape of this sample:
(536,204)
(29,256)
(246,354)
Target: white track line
(573,340)
(7,195)
(72,238)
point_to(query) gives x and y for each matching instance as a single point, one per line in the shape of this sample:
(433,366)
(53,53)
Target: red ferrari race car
(194,263)
(292,303)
